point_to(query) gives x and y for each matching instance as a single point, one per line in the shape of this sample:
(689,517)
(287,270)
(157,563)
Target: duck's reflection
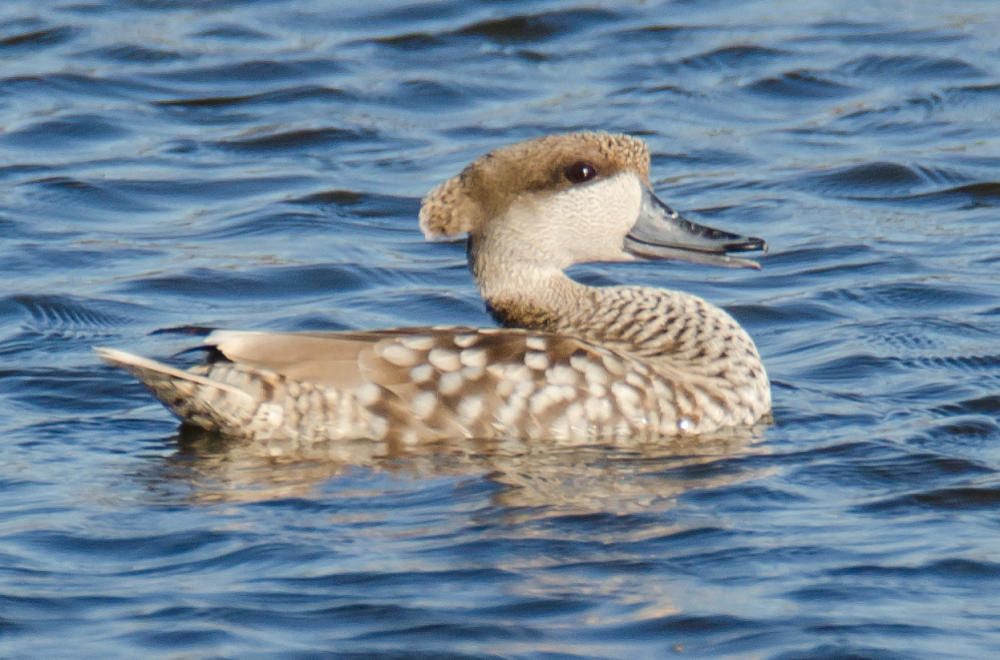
(611,477)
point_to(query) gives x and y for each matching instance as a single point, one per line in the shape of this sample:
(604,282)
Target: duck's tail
(210,404)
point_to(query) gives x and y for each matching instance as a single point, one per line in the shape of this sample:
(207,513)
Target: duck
(566,361)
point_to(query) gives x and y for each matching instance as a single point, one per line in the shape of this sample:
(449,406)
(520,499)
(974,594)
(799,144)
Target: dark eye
(580,171)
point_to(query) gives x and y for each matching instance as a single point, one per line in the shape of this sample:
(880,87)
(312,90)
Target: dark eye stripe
(580,171)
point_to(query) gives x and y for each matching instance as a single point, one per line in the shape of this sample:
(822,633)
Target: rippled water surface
(260,164)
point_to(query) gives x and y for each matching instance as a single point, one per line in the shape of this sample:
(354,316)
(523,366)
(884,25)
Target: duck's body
(573,361)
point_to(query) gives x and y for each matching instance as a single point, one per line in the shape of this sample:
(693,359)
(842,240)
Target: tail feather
(196,399)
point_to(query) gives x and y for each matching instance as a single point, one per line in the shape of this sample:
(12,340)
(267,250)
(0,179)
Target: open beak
(663,233)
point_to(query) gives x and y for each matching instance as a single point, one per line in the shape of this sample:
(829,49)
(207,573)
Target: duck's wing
(463,381)
(332,359)
(420,382)
(347,360)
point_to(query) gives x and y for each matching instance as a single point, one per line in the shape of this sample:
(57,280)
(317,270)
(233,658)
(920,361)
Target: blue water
(259,165)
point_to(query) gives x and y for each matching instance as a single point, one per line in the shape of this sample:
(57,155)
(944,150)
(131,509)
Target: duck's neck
(531,294)
(554,303)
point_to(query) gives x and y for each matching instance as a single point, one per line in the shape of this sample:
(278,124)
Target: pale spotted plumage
(574,362)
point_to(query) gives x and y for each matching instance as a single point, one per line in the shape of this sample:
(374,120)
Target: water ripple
(800,86)
(35,39)
(537,27)
(279,97)
(64,132)
(295,140)
(910,66)
(136,54)
(256,71)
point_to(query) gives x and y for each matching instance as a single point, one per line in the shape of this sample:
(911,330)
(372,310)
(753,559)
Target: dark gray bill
(663,233)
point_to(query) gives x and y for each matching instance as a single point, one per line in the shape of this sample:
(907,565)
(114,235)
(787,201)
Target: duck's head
(574,198)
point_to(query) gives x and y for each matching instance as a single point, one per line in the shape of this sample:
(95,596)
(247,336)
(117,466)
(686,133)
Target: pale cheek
(606,214)
(586,223)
